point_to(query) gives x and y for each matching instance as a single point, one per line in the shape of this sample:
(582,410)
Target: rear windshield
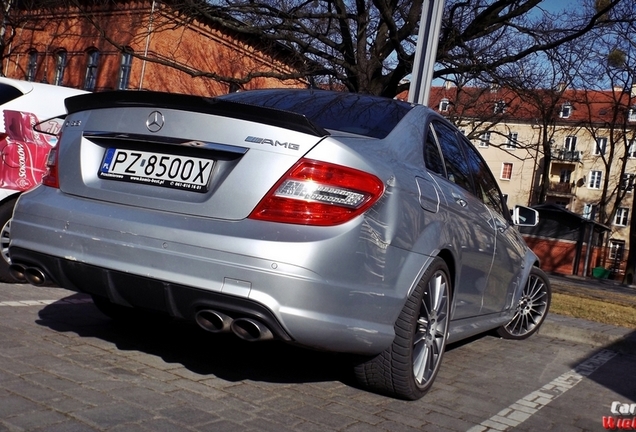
(8,93)
(371,116)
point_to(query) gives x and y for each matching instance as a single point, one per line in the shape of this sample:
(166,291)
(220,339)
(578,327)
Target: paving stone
(189,416)
(68,426)
(35,419)
(163,425)
(30,391)
(227,426)
(347,410)
(329,420)
(67,368)
(115,414)
(13,405)
(265,425)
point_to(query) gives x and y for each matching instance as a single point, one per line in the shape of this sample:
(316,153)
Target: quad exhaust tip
(248,329)
(17,271)
(32,275)
(213,321)
(251,330)
(35,276)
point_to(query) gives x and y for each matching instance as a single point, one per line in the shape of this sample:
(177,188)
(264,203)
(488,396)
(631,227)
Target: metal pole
(143,63)
(425,51)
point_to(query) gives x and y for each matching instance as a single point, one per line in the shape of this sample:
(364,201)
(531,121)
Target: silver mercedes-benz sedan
(334,221)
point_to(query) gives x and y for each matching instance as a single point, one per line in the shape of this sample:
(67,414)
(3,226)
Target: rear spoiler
(159,100)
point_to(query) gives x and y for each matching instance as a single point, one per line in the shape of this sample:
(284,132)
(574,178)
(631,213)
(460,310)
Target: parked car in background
(24,104)
(334,221)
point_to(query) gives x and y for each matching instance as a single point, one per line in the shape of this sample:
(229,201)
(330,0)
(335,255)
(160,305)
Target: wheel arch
(10,195)
(448,257)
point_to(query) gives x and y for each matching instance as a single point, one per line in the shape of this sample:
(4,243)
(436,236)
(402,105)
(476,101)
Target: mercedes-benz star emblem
(155,121)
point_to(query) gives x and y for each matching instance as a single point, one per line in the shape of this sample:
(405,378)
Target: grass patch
(592,309)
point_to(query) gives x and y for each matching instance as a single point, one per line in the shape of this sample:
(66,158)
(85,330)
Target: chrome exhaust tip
(251,330)
(35,276)
(18,272)
(213,321)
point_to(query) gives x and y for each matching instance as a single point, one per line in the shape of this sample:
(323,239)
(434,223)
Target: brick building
(137,45)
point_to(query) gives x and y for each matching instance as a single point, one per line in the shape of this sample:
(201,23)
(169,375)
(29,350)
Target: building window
(60,66)
(511,144)
(631,152)
(627,182)
(92,62)
(124,70)
(32,65)
(566,110)
(632,114)
(601,146)
(500,107)
(484,139)
(595,180)
(570,143)
(443,105)
(621,216)
(565,175)
(589,211)
(506,171)
(616,250)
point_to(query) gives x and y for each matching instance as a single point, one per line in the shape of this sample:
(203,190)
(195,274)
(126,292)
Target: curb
(591,333)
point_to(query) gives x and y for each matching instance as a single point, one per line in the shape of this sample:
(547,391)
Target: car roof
(356,113)
(43,100)
(23,86)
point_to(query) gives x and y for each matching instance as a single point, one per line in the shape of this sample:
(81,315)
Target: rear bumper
(131,290)
(330,289)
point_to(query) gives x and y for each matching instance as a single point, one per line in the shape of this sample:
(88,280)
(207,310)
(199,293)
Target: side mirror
(525,216)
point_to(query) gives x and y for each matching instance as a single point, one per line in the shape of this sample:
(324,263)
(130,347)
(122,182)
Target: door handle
(500,225)
(460,200)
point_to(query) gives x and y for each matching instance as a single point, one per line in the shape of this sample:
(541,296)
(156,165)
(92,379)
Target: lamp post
(425,51)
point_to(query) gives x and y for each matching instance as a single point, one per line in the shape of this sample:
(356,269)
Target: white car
(23,151)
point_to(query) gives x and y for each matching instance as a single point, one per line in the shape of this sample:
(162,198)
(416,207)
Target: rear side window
(454,159)
(485,183)
(8,93)
(432,157)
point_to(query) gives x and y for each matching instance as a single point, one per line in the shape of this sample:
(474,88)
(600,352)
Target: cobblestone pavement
(66,367)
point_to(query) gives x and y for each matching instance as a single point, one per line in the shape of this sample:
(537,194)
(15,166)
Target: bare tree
(368,46)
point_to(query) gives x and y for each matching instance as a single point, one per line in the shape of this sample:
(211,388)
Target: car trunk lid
(178,153)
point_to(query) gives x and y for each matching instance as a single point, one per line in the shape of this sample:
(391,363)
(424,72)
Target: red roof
(570,106)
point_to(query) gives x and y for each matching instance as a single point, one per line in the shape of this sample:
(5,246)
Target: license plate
(157,169)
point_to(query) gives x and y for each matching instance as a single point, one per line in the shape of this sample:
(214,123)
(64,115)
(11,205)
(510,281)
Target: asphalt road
(66,367)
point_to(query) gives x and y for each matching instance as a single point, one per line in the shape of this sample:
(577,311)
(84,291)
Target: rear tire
(532,308)
(409,366)
(6,212)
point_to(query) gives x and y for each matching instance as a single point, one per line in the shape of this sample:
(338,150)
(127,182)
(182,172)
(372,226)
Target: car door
(509,250)
(469,222)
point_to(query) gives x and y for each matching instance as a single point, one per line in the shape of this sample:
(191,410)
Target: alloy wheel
(431,329)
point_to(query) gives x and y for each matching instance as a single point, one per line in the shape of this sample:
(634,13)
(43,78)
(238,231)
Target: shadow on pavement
(227,357)
(175,341)
(617,374)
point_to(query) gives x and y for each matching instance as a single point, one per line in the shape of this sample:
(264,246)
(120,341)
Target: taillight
(319,193)
(51,176)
